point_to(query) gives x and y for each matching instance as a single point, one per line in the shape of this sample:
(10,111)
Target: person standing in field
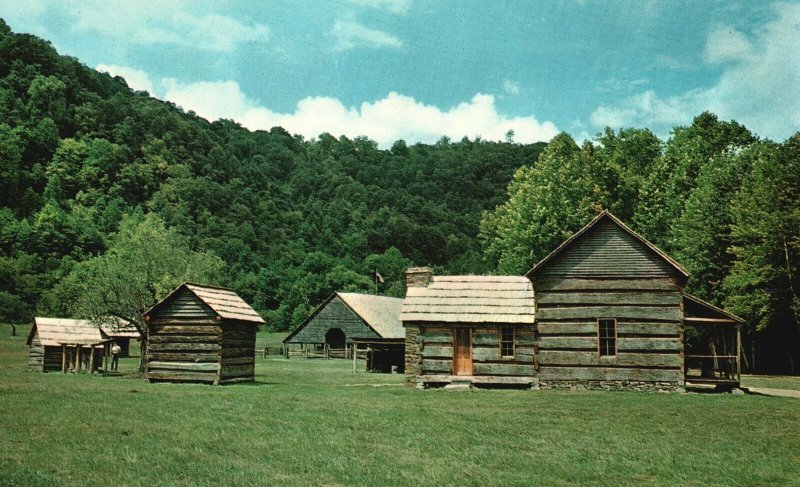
(115,351)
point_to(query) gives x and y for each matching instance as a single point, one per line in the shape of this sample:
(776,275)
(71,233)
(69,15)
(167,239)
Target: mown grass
(772,382)
(313,422)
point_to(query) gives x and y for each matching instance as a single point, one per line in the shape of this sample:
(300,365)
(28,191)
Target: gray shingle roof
(471,299)
(380,312)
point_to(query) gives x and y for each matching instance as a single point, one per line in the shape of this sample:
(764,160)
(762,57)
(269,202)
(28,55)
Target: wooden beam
(710,320)
(63,358)
(91,359)
(739,353)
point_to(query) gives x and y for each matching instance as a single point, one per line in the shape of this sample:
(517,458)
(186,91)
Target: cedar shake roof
(471,299)
(381,313)
(606,215)
(222,301)
(64,331)
(119,328)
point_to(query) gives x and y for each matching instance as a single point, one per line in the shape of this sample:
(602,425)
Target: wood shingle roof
(471,299)
(64,331)
(222,301)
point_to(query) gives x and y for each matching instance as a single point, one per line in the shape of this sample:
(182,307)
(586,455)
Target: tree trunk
(142,354)
(13,330)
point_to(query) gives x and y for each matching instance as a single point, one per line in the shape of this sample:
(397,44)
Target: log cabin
(61,344)
(468,329)
(201,333)
(345,321)
(605,310)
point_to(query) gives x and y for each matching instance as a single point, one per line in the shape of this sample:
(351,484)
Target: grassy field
(313,422)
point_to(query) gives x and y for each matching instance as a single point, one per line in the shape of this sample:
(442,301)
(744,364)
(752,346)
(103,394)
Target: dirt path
(766,391)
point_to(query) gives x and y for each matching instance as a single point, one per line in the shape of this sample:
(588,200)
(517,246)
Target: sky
(419,70)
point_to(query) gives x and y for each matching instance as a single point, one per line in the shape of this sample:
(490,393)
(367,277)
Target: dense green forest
(104,187)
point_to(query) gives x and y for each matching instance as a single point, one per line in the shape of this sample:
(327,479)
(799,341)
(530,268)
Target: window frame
(600,339)
(500,342)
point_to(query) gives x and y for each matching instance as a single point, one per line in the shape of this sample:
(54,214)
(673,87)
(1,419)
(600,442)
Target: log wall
(609,275)
(435,345)
(189,343)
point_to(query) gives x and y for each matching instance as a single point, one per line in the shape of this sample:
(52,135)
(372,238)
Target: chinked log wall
(435,345)
(649,333)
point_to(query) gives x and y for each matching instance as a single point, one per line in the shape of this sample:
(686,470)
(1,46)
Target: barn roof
(64,331)
(119,328)
(471,299)
(222,301)
(606,215)
(381,313)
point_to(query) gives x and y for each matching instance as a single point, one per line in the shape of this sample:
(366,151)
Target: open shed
(121,332)
(201,333)
(61,344)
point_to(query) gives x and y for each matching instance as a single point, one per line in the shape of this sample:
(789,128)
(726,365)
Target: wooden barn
(121,332)
(61,344)
(201,333)
(344,319)
(468,329)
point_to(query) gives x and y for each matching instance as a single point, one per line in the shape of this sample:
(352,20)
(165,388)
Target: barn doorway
(335,338)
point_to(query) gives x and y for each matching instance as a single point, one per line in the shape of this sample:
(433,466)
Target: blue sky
(417,70)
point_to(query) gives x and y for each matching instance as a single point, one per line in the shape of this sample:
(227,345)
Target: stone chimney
(418,277)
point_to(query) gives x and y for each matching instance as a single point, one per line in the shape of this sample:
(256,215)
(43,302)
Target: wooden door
(462,351)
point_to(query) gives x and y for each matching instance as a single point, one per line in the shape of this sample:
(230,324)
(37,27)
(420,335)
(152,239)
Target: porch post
(739,353)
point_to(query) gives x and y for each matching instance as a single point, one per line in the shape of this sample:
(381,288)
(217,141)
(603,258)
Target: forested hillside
(97,177)
(292,220)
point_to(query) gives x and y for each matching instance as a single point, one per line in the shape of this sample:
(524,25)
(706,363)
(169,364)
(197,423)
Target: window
(607,337)
(507,341)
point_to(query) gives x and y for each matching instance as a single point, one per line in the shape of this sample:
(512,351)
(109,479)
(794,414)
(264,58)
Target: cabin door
(462,351)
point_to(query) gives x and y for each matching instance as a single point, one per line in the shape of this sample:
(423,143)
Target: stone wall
(413,359)
(583,385)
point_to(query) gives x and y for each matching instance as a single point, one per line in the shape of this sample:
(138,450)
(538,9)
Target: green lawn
(772,382)
(313,422)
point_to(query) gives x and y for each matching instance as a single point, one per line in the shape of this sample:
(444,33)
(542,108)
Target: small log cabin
(344,319)
(61,344)
(121,332)
(608,312)
(201,333)
(476,329)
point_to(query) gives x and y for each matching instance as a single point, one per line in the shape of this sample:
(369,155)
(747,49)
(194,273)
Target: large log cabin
(606,310)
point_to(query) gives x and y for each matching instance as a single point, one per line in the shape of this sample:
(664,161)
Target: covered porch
(712,345)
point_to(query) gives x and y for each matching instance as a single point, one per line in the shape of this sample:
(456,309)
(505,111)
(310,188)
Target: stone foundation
(605,385)
(413,358)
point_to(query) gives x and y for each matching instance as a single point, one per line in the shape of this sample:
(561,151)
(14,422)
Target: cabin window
(607,337)
(507,341)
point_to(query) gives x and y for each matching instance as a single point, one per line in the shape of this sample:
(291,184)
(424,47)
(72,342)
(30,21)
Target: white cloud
(759,86)
(164,23)
(726,44)
(136,78)
(384,121)
(394,6)
(511,87)
(350,33)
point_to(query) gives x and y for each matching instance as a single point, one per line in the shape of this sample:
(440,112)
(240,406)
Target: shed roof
(119,328)
(64,331)
(606,215)
(381,313)
(222,301)
(698,311)
(471,299)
